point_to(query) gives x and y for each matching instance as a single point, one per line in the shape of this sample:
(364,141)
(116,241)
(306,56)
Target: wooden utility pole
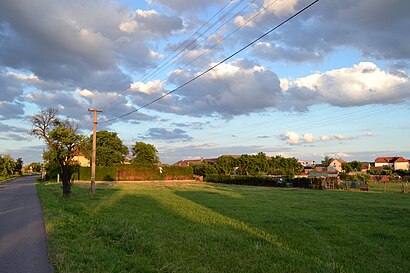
(92,187)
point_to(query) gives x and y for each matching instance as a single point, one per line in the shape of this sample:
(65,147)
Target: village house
(336,165)
(396,163)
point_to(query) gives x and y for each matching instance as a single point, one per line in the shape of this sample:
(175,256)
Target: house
(336,165)
(190,162)
(82,160)
(366,166)
(307,163)
(396,163)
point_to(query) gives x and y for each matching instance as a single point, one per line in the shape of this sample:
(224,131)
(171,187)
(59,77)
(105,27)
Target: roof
(390,159)
(323,174)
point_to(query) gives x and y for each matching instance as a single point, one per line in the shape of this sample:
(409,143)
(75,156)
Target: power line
(216,65)
(153,71)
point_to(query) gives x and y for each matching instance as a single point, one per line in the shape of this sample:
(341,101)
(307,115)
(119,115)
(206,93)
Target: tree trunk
(65,178)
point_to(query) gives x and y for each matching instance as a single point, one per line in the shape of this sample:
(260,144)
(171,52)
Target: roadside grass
(201,227)
(8,178)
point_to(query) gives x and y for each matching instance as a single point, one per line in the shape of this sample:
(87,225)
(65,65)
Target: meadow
(203,227)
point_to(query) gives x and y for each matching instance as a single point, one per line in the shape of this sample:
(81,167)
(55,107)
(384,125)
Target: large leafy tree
(62,139)
(226,164)
(144,153)
(110,149)
(284,166)
(7,165)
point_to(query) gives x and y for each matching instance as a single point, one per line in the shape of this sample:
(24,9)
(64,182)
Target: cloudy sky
(332,81)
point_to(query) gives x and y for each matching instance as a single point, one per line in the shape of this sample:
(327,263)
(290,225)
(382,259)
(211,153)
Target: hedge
(135,173)
(262,181)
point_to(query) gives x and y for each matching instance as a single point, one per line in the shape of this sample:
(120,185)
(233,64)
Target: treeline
(9,166)
(251,165)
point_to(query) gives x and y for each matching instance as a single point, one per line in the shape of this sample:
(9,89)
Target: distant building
(190,162)
(307,163)
(82,160)
(336,165)
(396,163)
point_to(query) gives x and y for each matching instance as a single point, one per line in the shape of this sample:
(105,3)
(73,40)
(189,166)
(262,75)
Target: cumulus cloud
(363,84)
(183,5)
(11,110)
(235,88)
(15,136)
(77,46)
(167,134)
(364,25)
(309,138)
(152,23)
(290,137)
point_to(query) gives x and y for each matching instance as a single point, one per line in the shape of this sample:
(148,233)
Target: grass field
(193,227)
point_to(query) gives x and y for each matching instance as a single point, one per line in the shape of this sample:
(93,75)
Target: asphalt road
(23,246)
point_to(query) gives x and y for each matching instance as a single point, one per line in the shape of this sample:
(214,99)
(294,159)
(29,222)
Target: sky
(331,81)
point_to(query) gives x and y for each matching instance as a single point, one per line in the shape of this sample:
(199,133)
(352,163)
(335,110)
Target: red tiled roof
(383,159)
(390,159)
(400,159)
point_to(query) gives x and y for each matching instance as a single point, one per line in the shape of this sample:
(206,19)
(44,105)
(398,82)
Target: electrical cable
(217,64)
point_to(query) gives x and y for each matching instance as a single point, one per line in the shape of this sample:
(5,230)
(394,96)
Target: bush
(263,181)
(139,172)
(177,173)
(243,180)
(134,173)
(102,173)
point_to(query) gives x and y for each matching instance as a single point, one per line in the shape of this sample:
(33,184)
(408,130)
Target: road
(23,246)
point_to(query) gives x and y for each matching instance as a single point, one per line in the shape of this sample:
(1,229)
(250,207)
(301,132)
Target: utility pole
(92,187)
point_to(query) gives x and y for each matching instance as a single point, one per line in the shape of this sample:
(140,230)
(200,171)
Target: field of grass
(200,227)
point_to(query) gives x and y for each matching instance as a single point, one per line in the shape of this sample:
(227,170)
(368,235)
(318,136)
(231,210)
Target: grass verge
(167,227)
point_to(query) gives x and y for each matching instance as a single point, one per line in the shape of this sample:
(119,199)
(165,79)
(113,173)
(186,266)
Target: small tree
(326,161)
(18,165)
(144,153)
(62,140)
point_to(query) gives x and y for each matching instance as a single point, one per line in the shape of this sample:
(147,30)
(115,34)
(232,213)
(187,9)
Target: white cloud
(364,83)
(152,87)
(325,138)
(235,88)
(309,138)
(290,137)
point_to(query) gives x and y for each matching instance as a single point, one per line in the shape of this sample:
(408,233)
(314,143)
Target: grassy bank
(172,227)
(8,178)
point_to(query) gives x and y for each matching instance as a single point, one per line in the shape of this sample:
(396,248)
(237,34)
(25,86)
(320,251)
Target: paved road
(23,247)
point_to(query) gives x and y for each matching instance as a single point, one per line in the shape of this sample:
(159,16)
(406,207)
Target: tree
(279,165)
(110,149)
(18,165)
(7,165)
(62,140)
(356,165)
(226,164)
(144,153)
(347,167)
(35,167)
(327,160)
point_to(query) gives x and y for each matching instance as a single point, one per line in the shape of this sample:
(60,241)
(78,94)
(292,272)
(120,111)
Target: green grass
(192,227)
(8,178)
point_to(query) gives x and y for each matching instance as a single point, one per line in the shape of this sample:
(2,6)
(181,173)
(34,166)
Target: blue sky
(332,81)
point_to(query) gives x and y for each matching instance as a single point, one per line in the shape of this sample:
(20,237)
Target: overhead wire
(215,65)
(183,46)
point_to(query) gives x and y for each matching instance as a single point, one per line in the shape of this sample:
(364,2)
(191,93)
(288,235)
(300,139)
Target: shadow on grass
(169,229)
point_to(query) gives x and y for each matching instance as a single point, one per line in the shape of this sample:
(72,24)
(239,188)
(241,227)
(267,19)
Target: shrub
(177,173)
